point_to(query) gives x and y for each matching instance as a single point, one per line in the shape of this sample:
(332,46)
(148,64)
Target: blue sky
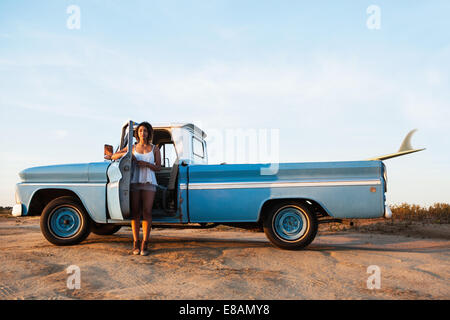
(335,89)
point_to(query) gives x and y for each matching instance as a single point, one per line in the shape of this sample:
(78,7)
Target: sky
(332,80)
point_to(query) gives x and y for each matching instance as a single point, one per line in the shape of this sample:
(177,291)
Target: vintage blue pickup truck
(288,204)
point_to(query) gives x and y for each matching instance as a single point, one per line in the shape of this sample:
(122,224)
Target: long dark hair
(149,130)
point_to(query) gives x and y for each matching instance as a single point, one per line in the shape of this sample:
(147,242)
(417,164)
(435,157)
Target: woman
(143,183)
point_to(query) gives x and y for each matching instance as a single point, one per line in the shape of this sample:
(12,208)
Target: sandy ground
(224,264)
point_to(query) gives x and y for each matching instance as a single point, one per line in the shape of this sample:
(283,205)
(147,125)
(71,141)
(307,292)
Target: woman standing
(143,184)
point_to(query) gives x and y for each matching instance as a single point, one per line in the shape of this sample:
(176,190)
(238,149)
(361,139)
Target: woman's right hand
(142,163)
(119,154)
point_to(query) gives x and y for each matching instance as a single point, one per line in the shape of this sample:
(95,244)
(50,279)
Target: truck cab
(180,144)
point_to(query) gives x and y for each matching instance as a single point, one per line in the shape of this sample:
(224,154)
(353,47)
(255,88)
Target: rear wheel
(64,221)
(290,225)
(104,229)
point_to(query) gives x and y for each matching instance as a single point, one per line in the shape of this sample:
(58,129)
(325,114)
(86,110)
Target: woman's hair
(149,130)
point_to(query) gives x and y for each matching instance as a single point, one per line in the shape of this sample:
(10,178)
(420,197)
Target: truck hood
(94,172)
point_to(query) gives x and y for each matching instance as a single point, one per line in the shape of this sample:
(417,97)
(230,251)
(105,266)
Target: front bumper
(17,210)
(387,212)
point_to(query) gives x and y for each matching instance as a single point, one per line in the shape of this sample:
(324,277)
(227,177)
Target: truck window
(197,148)
(125,141)
(168,154)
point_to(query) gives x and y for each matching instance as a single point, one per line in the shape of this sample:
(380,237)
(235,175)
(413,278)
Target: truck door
(119,178)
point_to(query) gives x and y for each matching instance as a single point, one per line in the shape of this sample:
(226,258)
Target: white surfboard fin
(405,148)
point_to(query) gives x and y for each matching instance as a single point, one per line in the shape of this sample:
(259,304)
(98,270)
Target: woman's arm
(119,154)
(157,165)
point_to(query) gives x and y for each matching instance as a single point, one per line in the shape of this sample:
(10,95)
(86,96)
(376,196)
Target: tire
(104,229)
(65,222)
(290,225)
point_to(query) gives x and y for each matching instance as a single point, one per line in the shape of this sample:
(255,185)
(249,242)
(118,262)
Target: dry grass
(407,219)
(437,213)
(5,211)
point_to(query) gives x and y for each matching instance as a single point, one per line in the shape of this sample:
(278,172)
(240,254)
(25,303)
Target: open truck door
(119,178)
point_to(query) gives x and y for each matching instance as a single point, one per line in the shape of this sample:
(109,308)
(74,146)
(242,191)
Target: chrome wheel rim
(65,222)
(290,223)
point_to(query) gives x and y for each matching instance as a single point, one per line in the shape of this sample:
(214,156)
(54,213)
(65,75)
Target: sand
(224,264)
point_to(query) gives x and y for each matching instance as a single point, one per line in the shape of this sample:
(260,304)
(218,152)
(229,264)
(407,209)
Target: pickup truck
(76,199)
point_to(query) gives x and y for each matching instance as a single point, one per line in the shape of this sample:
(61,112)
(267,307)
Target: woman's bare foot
(136,250)
(144,251)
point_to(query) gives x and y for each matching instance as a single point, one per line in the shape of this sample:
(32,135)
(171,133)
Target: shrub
(436,213)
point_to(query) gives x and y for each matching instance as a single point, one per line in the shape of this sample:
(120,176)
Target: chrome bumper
(387,212)
(17,210)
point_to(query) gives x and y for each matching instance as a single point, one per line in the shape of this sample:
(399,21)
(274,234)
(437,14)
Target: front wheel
(64,221)
(290,225)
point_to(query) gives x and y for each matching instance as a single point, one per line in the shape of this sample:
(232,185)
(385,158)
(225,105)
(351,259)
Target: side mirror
(107,151)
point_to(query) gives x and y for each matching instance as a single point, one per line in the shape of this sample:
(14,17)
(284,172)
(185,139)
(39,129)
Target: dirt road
(230,264)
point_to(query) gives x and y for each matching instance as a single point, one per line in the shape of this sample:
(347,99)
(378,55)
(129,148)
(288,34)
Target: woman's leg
(135,213)
(147,205)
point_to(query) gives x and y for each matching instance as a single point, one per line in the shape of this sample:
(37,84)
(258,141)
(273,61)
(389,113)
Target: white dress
(144,177)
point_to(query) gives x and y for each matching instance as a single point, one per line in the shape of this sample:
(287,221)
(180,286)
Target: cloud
(60,134)
(92,80)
